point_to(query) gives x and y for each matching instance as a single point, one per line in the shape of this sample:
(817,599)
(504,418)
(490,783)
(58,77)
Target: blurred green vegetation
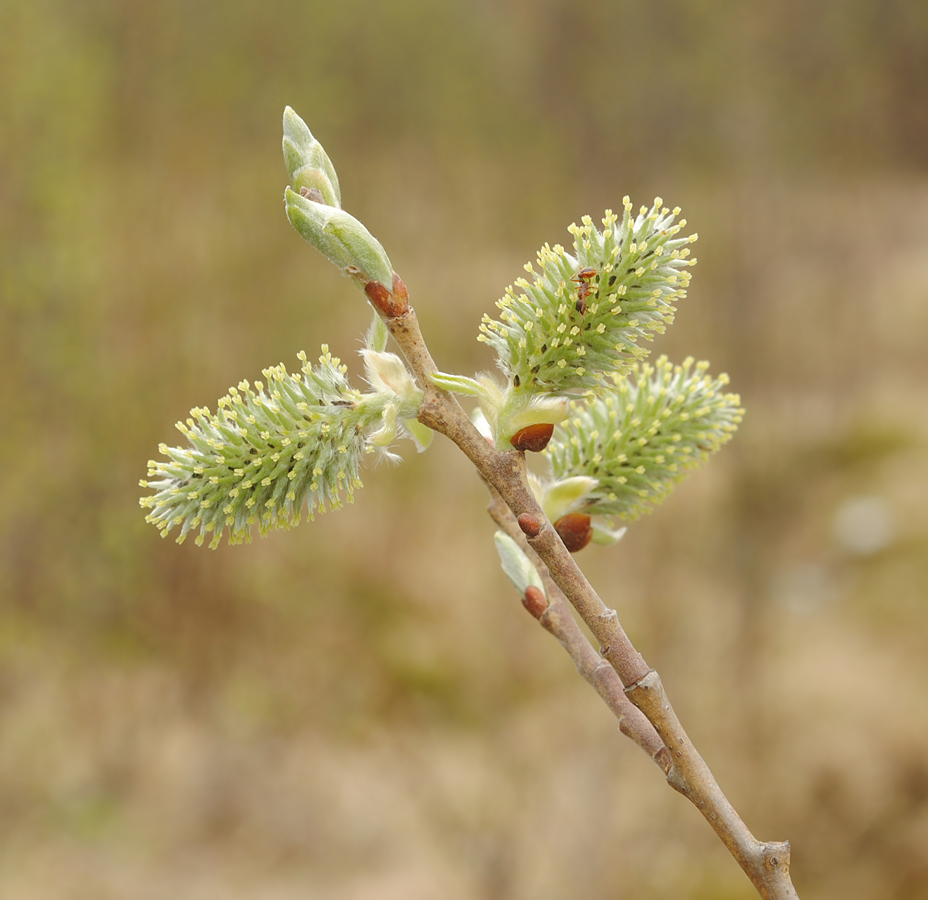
(359,708)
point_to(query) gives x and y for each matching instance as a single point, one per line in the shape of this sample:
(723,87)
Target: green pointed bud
(522,573)
(458,384)
(341,238)
(308,164)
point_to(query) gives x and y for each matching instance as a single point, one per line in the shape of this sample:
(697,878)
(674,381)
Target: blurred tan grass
(313,715)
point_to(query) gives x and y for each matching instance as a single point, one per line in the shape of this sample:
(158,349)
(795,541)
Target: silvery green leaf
(516,564)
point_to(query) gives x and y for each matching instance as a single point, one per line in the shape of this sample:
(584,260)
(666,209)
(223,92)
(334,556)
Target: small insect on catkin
(584,289)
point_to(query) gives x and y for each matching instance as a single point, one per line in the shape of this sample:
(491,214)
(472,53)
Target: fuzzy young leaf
(269,451)
(644,436)
(520,569)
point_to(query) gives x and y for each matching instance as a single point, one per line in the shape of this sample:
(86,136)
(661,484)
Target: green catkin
(269,453)
(578,319)
(644,435)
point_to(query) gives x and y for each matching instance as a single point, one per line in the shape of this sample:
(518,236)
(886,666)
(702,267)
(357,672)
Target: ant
(583,279)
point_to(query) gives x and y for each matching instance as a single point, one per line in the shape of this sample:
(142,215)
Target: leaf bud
(389,303)
(575,530)
(535,601)
(341,238)
(308,164)
(520,569)
(533,438)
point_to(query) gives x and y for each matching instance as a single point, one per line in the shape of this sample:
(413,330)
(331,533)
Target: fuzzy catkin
(268,453)
(578,320)
(644,435)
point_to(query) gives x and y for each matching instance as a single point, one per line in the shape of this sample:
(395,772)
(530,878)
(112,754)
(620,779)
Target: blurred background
(360,708)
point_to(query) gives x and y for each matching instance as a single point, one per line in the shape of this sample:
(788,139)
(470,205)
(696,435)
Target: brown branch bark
(557,619)
(766,864)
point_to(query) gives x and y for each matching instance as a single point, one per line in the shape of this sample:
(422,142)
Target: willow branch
(765,863)
(554,615)
(506,472)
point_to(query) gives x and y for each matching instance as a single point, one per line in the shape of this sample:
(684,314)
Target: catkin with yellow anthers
(300,439)
(644,436)
(636,259)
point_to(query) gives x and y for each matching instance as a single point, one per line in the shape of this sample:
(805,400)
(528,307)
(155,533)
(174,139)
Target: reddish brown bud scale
(529,524)
(400,294)
(390,304)
(535,601)
(533,438)
(575,530)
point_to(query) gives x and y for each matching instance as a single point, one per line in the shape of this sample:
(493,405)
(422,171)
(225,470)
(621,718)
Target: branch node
(389,303)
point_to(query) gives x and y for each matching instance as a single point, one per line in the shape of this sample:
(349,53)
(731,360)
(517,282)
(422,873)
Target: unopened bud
(535,601)
(575,530)
(389,303)
(308,164)
(340,237)
(529,524)
(533,438)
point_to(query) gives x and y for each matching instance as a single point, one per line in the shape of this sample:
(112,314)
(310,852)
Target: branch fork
(631,689)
